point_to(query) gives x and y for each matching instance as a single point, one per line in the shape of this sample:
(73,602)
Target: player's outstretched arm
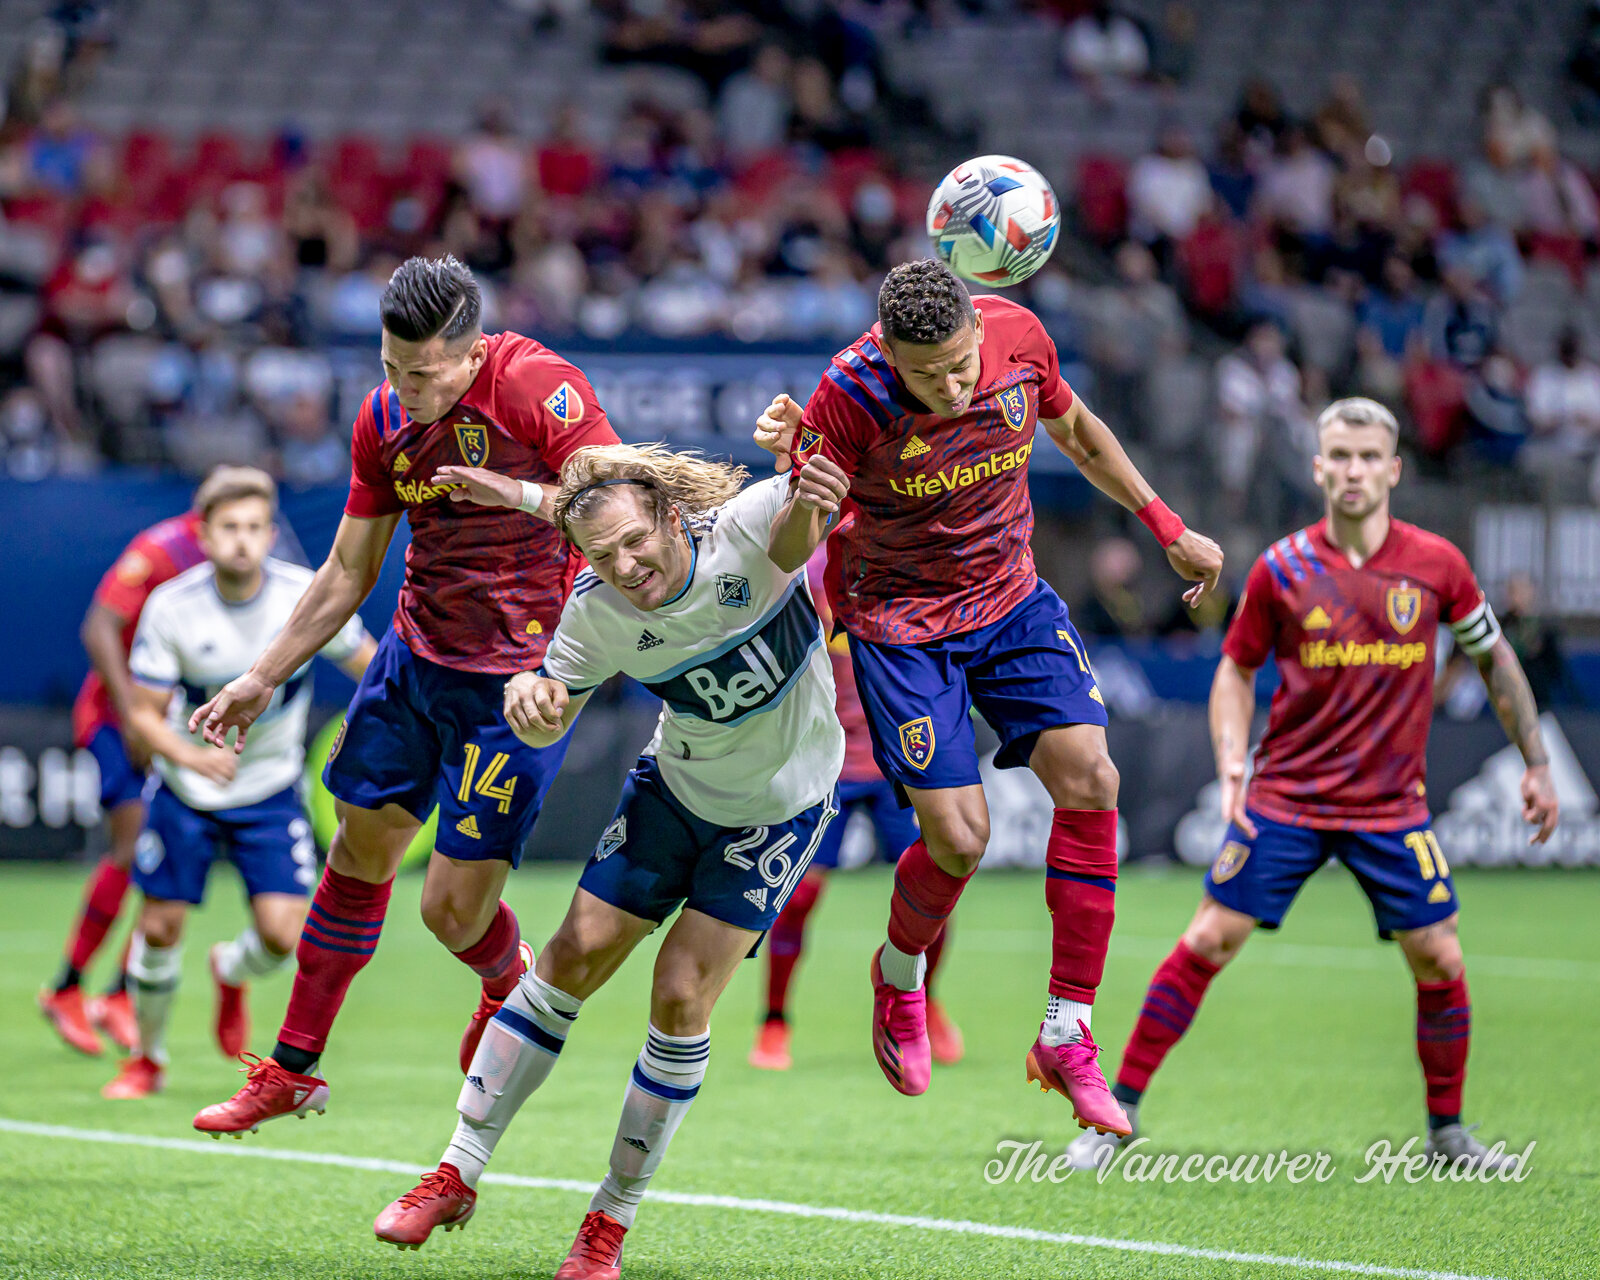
(803,522)
(1519,715)
(491,489)
(147,712)
(340,585)
(1105,464)
(775,430)
(1233,702)
(539,709)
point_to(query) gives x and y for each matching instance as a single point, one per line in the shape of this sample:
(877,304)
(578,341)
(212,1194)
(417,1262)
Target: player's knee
(679,1006)
(1217,937)
(455,923)
(1434,953)
(1092,784)
(279,936)
(162,928)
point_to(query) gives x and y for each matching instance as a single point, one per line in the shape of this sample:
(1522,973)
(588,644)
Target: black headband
(606,484)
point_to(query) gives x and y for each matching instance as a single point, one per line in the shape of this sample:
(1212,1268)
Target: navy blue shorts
(656,856)
(1403,873)
(1026,673)
(270,843)
(120,782)
(894,825)
(418,735)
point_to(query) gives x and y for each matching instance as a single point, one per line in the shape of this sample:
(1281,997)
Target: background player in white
(196,633)
(697,591)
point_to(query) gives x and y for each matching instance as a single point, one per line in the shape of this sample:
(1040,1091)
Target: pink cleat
(441,1199)
(270,1092)
(137,1077)
(114,1015)
(64,1011)
(1071,1070)
(488,1006)
(231,1023)
(597,1252)
(771,1049)
(900,1033)
(944,1036)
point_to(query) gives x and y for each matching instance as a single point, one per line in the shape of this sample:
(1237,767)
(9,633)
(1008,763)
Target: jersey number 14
(489,784)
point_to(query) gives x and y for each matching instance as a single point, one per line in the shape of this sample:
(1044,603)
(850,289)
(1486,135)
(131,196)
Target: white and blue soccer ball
(994,220)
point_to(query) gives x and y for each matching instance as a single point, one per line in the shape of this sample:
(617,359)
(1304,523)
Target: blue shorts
(270,843)
(418,735)
(896,827)
(1026,673)
(655,856)
(1403,873)
(120,782)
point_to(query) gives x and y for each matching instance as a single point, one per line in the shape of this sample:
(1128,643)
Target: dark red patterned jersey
(859,764)
(152,557)
(1355,647)
(940,540)
(484,586)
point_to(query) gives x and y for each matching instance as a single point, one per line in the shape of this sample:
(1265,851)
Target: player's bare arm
(1233,703)
(812,509)
(340,585)
(1105,464)
(355,666)
(776,427)
(102,641)
(147,713)
(491,489)
(1519,715)
(539,709)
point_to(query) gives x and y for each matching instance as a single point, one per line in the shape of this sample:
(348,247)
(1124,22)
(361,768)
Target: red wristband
(1161,521)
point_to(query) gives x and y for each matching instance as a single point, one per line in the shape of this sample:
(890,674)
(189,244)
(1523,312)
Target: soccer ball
(994,220)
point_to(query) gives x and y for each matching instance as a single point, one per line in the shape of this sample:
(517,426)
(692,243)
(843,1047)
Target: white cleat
(1092,1150)
(1455,1145)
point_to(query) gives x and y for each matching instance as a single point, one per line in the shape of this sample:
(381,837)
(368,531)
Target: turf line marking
(954,1226)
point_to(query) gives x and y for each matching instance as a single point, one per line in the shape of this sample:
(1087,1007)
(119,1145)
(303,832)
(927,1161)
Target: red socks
(102,900)
(935,953)
(1444,1030)
(1080,889)
(340,935)
(494,957)
(924,897)
(787,941)
(1169,1007)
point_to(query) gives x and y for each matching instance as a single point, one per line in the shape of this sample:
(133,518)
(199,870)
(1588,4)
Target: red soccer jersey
(484,587)
(159,553)
(1348,729)
(940,540)
(859,765)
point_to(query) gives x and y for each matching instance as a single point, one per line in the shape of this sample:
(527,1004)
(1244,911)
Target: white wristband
(532,498)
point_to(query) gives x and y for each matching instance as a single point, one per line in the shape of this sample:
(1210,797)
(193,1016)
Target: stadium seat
(1102,198)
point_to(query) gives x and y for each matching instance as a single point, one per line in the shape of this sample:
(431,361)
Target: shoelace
(599,1238)
(256,1069)
(1081,1066)
(437,1183)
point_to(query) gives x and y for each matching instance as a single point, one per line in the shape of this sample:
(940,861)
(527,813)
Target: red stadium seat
(428,163)
(1435,181)
(146,158)
(1437,396)
(355,156)
(1102,196)
(1208,261)
(218,157)
(1568,250)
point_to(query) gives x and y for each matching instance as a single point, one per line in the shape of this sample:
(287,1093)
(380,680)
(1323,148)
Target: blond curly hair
(665,478)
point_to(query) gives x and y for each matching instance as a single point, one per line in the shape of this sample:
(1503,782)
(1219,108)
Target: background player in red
(933,416)
(862,789)
(99,717)
(1351,609)
(481,596)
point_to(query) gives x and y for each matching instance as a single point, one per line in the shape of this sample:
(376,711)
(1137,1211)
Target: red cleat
(944,1037)
(64,1011)
(232,1023)
(488,1006)
(114,1015)
(771,1049)
(1071,1070)
(271,1093)
(137,1077)
(597,1252)
(900,1033)
(441,1199)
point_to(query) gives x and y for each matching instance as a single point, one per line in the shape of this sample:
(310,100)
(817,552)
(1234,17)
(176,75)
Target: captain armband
(1478,631)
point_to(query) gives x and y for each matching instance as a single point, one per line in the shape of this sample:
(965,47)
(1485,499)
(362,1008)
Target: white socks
(153,972)
(1061,1019)
(516,1055)
(246,957)
(903,970)
(663,1086)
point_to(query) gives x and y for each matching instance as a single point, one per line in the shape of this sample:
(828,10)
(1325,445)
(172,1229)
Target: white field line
(952,1226)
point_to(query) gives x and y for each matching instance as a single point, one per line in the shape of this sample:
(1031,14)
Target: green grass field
(1305,1044)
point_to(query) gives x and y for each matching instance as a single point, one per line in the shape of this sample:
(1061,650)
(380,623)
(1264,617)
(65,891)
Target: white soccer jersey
(747,735)
(192,641)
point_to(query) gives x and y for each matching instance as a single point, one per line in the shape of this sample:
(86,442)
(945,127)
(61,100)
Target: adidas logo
(1439,893)
(477,1083)
(401,462)
(1317,620)
(648,641)
(915,448)
(468,826)
(757,897)
(638,1145)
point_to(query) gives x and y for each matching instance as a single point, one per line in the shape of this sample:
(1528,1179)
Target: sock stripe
(309,937)
(354,930)
(1099,882)
(666,1092)
(529,1030)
